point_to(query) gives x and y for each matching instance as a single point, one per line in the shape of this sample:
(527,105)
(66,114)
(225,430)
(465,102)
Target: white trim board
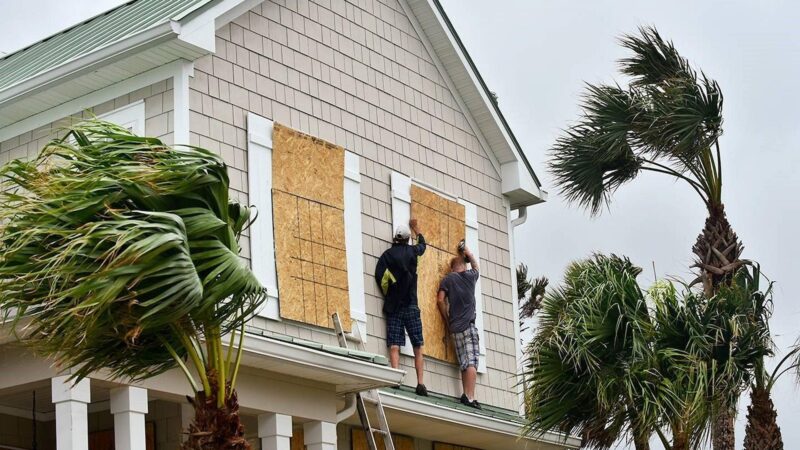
(262,237)
(91,99)
(130,116)
(262,232)
(401,214)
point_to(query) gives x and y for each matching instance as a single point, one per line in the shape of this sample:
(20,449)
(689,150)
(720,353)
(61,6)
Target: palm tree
(590,363)
(612,362)
(667,121)
(120,253)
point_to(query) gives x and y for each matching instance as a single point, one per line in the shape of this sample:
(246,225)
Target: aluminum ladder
(372,397)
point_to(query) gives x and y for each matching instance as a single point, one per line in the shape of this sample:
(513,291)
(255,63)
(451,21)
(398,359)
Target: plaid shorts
(405,320)
(468,347)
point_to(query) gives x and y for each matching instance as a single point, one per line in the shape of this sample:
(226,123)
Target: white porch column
(129,405)
(72,428)
(275,430)
(319,435)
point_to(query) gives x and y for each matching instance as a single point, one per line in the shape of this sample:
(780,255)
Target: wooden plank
(287,255)
(358,440)
(443,223)
(308,217)
(307,166)
(297,441)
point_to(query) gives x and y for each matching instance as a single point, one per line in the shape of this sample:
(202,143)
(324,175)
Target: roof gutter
(91,61)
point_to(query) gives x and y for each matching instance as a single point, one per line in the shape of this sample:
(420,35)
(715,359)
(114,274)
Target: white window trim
(129,116)
(262,234)
(401,214)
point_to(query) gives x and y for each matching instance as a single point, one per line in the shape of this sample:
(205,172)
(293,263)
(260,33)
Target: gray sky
(536,55)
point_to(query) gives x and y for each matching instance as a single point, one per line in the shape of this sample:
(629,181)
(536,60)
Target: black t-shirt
(396,275)
(460,290)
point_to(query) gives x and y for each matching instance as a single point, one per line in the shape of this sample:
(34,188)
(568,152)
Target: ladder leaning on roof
(371,396)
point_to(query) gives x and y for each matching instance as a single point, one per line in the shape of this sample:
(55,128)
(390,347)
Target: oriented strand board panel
(308,217)
(297,441)
(443,446)
(307,166)
(359,441)
(442,222)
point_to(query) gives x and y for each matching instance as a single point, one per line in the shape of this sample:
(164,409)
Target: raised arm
(473,261)
(419,248)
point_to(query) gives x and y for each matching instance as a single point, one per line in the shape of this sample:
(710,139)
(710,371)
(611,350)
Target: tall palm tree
(119,252)
(668,120)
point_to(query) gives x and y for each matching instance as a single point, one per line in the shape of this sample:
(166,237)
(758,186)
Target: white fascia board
(91,99)
(198,27)
(91,61)
(469,419)
(352,370)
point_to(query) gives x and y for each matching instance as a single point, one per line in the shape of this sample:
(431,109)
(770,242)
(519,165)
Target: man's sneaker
(476,405)
(464,400)
(422,390)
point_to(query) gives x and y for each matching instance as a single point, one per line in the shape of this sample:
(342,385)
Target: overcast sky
(536,55)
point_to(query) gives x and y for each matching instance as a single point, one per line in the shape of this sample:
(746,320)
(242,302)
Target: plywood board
(307,166)
(297,441)
(443,446)
(442,222)
(308,219)
(358,441)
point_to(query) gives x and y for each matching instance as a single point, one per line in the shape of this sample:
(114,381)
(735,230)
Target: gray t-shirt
(459,287)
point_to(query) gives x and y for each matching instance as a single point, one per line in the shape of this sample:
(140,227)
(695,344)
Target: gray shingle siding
(357,74)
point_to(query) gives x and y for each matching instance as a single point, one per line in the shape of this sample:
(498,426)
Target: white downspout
(523,216)
(349,408)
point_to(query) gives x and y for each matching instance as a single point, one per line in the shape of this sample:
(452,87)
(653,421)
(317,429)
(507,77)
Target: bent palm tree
(123,254)
(589,363)
(667,121)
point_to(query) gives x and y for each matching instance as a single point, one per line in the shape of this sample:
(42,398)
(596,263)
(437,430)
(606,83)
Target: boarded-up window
(442,223)
(443,446)
(297,441)
(359,441)
(308,218)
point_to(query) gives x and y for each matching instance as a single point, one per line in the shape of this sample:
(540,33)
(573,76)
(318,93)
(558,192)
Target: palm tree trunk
(762,432)
(723,436)
(215,428)
(718,250)
(641,443)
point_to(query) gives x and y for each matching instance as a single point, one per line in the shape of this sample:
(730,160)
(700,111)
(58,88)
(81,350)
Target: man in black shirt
(396,274)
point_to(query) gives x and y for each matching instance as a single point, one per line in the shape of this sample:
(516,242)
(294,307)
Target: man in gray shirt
(456,302)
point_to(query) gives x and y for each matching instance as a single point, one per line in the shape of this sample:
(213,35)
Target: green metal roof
(91,35)
(332,349)
(454,403)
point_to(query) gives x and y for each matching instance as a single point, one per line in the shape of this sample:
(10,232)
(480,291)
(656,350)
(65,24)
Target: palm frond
(112,242)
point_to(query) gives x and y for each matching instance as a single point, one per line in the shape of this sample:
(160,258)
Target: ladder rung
(379,431)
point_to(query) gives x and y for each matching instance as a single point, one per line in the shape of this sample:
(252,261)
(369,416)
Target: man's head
(401,234)
(457,264)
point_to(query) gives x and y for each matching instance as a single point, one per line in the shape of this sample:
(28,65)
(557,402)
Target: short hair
(455,261)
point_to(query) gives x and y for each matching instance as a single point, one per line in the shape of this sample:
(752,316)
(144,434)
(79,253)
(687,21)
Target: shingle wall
(358,75)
